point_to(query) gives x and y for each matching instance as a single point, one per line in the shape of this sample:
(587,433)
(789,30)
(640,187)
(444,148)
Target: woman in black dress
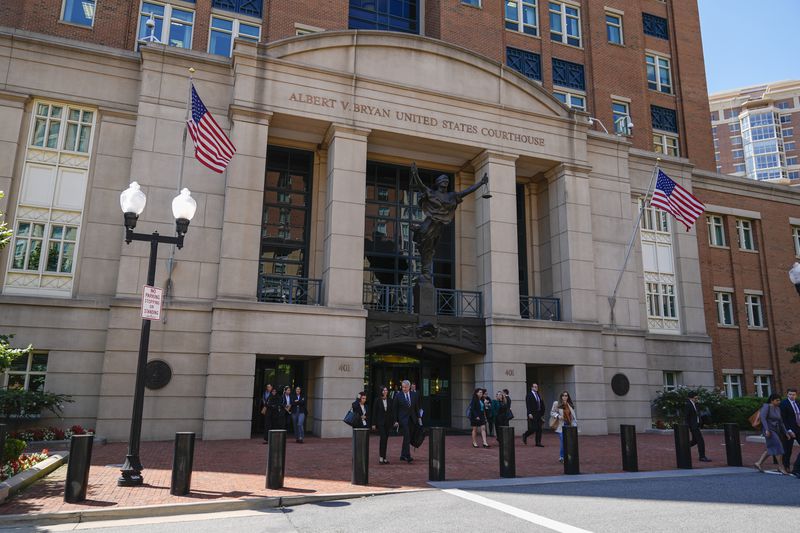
(501,418)
(383,420)
(477,417)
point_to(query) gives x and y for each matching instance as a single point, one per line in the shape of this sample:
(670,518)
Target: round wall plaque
(157,374)
(620,384)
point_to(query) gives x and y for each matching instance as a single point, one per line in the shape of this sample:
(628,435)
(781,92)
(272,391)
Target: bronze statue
(439,207)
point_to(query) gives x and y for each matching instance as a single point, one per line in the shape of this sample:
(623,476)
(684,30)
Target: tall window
(251,8)
(744,230)
(796,240)
(622,117)
(224,31)
(51,198)
(659,73)
(671,381)
(27,372)
(614,28)
(392,15)
(664,143)
(716,230)
(173,24)
(521,16)
(724,302)
(762,385)
(79,12)
(660,300)
(755,313)
(659,271)
(763,147)
(732,383)
(565,23)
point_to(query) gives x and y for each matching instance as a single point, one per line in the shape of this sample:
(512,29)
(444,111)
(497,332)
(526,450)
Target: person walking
(286,407)
(477,417)
(274,410)
(360,409)
(773,430)
(563,410)
(534,405)
(406,412)
(501,419)
(265,411)
(790,413)
(383,419)
(693,420)
(299,413)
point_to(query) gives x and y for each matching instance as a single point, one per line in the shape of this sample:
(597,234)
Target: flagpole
(171,260)
(612,300)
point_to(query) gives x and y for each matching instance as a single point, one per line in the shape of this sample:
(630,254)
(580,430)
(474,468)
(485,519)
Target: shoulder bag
(349,418)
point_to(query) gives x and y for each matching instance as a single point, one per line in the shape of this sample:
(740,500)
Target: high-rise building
(754,131)
(299,267)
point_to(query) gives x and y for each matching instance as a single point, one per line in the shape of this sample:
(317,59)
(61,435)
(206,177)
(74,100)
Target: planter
(16,483)
(39,445)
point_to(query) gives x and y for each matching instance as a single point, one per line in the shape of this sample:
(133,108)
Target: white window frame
(731,381)
(473,3)
(762,385)
(746,235)
(28,373)
(64,9)
(167,24)
(737,153)
(755,311)
(654,61)
(570,98)
(796,239)
(618,25)
(563,36)
(723,300)
(672,376)
(666,143)
(301,29)
(716,222)
(234,32)
(520,9)
(740,168)
(621,120)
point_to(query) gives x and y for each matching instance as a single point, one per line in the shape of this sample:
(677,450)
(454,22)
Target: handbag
(755,419)
(349,418)
(553,422)
(510,414)
(264,410)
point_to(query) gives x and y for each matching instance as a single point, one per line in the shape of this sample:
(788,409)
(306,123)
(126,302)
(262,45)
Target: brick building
(299,267)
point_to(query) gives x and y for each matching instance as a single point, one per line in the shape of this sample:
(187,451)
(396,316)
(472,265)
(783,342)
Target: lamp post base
(131,472)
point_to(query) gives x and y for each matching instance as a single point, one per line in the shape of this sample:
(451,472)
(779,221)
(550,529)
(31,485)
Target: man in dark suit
(535,408)
(406,413)
(790,413)
(693,421)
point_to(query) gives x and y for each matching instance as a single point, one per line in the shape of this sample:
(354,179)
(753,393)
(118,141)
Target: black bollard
(683,452)
(630,455)
(571,459)
(733,446)
(80,459)
(436,455)
(276,458)
(182,459)
(508,460)
(360,456)
(3,431)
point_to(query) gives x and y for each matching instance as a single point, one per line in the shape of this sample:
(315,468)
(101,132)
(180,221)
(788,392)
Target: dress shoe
(705,460)
(486,446)
(524,440)
(540,445)
(410,459)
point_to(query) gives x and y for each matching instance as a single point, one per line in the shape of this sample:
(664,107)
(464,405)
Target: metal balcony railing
(388,298)
(537,308)
(455,302)
(289,290)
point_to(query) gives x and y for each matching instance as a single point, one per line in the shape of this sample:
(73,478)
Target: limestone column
(572,249)
(12,113)
(496,235)
(343,264)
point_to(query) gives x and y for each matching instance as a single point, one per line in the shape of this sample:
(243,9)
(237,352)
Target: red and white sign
(151,302)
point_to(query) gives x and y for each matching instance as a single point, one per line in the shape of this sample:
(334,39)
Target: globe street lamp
(132,201)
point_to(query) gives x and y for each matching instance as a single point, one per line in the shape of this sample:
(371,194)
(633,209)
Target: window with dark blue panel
(252,8)
(655,26)
(664,119)
(567,74)
(392,15)
(526,63)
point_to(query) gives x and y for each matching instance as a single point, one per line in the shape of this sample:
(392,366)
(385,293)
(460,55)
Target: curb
(27,477)
(176,509)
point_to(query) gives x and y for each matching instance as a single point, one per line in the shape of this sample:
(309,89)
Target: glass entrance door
(278,374)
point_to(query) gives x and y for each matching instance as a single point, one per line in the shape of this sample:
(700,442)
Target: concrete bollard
(733,444)
(436,455)
(276,458)
(630,455)
(571,458)
(182,461)
(508,460)
(683,452)
(360,456)
(80,459)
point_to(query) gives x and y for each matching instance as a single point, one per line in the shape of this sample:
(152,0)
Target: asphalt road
(708,503)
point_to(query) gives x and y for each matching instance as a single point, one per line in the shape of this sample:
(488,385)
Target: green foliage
(5,231)
(25,404)
(669,405)
(9,353)
(738,410)
(795,351)
(14,448)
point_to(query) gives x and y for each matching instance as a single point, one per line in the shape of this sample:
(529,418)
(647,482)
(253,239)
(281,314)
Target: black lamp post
(132,202)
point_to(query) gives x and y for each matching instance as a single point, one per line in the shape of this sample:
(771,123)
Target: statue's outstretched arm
(469,190)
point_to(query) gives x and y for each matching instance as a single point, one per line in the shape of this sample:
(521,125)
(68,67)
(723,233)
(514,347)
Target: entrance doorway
(429,370)
(278,373)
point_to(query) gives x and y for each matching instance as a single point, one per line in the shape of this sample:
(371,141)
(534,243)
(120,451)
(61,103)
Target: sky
(750,42)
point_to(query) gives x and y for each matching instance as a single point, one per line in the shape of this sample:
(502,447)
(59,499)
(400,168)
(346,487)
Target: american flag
(211,146)
(676,200)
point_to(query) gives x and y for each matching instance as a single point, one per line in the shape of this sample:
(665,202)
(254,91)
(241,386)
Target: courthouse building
(299,265)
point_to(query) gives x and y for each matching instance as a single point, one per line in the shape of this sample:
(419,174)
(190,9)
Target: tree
(795,351)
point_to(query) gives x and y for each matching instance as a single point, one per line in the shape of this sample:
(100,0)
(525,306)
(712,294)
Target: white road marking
(519,513)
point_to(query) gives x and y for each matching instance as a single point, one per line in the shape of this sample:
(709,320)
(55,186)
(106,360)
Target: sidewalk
(237,469)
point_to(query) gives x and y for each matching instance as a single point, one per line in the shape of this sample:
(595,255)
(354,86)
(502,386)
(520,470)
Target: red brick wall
(280,16)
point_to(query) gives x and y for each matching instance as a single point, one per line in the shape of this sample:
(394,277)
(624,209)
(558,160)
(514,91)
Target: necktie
(408,399)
